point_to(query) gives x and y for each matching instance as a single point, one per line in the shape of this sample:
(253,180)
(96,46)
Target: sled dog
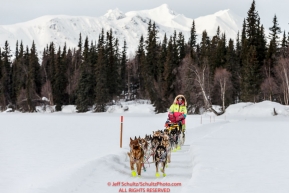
(166,143)
(160,159)
(136,156)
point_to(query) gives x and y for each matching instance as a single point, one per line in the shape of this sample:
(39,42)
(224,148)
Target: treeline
(215,70)
(89,76)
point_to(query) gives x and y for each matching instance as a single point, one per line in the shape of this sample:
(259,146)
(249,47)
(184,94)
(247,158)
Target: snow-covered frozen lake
(244,150)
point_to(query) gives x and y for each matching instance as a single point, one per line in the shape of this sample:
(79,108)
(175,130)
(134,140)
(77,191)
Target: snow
(128,26)
(244,150)
(114,14)
(265,108)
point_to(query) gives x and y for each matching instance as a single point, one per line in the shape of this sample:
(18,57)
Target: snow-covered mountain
(125,26)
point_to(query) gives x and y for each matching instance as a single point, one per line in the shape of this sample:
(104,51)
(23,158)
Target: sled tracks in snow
(180,167)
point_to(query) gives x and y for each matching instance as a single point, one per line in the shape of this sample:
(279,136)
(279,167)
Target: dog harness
(163,157)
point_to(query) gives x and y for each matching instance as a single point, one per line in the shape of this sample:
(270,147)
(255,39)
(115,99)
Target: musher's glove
(172,117)
(180,118)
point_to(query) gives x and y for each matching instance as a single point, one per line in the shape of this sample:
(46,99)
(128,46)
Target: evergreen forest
(207,70)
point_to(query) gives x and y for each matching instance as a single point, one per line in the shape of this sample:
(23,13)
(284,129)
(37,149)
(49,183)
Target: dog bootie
(157,174)
(133,173)
(178,147)
(164,175)
(167,165)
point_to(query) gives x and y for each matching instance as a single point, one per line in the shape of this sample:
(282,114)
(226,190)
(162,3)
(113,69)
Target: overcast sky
(15,11)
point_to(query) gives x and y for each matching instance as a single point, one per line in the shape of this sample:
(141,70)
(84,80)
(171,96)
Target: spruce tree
(253,51)
(150,65)
(213,57)
(252,25)
(57,82)
(140,60)
(193,40)
(61,80)
(181,46)
(112,67)
(204,47)
(250,77)
(69,72)
(255,33)
(36,68)
(220,52)
(123,65)
(274,45)
(284,42)
(275,30)
(86,85)
(22,69)
(118,60)
(244,44)
(261,47)
(51,72)
(174,62)
(32,80)
(153,55)
(236,80)
(238,48)
(163,56)
(193,36)
(78,55)
(233,66)
(101,90)
(91,85)
(168,69)
(15,76)
(288,38)
(28,87)
(46,90)
(6,81)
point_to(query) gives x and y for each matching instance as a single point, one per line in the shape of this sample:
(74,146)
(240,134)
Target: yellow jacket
(179,109)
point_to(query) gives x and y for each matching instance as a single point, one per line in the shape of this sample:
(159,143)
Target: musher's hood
(182,96)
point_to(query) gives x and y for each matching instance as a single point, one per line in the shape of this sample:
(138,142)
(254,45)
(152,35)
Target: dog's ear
(135,138)
(139,137)
(130,139)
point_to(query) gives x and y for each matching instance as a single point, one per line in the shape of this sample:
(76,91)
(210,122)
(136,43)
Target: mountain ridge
(127,26)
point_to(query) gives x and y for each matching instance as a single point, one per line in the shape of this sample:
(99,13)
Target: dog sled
(172,125)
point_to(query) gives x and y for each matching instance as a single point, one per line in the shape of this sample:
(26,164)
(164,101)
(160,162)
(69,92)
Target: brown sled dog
(136,156)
